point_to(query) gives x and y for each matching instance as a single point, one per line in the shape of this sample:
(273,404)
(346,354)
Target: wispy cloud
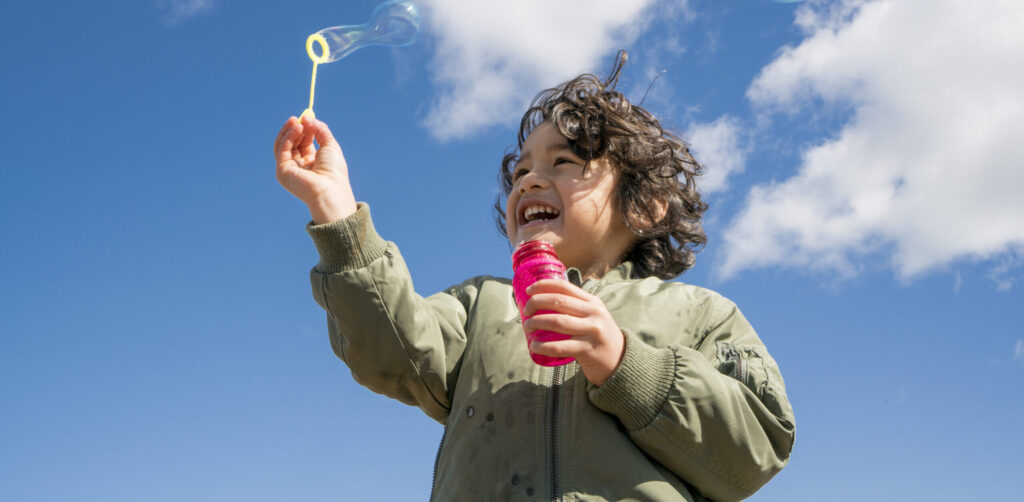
(492,57)
(930,163)
(1003,272)
(179,10)
(1018,352)
(717,146)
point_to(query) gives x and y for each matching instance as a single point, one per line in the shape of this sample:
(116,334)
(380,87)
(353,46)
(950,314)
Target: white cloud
(178,10)
(716,145)
(492,57)
(929,165)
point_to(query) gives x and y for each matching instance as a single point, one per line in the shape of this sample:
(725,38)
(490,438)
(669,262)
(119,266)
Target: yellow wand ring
(324,51)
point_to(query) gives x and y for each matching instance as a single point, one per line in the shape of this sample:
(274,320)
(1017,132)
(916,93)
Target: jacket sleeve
(394,341)
(715,414)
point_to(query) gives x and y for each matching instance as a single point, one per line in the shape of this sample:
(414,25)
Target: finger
(286,151)
(561,303)
(570,347)
(285,129)
(307,148)
(559,286)
(308,119)
(560,323)
(305,141)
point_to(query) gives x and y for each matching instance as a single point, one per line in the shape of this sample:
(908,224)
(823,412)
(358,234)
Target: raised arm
(396,342)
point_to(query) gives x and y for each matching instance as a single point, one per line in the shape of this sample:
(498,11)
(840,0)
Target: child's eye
(564,160)
(518,173)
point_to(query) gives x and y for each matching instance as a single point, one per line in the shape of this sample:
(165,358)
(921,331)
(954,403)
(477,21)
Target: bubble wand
(393,23)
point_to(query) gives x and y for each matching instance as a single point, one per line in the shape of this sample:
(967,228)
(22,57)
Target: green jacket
(696,410)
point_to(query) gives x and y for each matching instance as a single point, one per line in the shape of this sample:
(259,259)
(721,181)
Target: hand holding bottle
(589,333)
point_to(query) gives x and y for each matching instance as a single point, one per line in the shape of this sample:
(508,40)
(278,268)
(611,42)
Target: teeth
(532,211)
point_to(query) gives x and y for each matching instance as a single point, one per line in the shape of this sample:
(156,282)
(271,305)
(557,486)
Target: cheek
(510,215)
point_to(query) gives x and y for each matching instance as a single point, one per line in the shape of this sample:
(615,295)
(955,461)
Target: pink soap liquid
(531,262)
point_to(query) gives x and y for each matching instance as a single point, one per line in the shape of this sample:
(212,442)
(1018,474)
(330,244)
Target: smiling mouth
(537,214)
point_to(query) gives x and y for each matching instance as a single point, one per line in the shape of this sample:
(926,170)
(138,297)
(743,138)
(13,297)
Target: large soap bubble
(393,23)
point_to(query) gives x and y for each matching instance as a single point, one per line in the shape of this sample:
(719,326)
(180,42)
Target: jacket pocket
(754,368)
(734,361)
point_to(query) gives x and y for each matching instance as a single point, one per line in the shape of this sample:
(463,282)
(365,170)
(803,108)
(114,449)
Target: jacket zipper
(735,355)
(437,460)
(555,384)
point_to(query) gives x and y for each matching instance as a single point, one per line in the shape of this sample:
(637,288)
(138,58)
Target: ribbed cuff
(640,385)
(348,243)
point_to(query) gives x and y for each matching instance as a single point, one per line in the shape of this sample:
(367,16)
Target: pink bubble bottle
(531,262)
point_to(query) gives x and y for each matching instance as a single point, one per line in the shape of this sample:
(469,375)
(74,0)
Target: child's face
(552,199)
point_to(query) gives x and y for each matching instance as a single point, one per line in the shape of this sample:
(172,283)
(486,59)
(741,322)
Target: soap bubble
(393,23)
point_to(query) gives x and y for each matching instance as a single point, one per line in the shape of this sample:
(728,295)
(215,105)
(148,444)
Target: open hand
(318,177)
(595,340)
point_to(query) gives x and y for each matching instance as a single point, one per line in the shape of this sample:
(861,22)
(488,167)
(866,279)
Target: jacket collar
(622,272)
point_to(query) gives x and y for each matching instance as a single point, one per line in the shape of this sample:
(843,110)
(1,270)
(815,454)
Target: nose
(531,181)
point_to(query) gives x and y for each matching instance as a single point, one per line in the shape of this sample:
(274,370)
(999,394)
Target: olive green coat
(696,410)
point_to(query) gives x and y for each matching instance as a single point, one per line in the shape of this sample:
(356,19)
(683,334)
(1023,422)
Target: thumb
(323,134)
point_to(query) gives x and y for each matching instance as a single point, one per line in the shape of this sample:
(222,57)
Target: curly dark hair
(656,170)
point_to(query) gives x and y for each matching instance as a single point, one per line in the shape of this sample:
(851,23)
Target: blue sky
(159,337)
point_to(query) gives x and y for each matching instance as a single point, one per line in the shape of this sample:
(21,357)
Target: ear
(651,214)
(659,208)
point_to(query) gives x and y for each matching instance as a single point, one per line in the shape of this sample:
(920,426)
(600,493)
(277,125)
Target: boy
(672,395)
